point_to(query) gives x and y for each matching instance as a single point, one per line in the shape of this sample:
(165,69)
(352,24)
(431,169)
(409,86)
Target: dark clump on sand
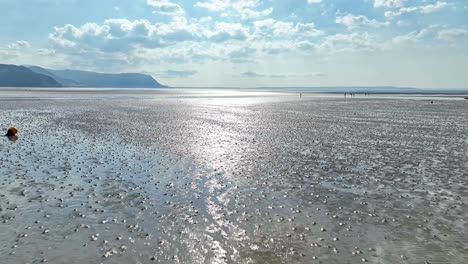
(11,132)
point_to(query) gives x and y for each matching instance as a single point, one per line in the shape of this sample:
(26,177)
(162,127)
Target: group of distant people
(345,94)
(352,94)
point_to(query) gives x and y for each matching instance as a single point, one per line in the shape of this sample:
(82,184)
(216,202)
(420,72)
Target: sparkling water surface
(228,176)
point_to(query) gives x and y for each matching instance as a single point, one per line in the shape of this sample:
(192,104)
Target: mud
(226,178)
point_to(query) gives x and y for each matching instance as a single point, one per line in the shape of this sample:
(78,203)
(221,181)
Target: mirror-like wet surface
(226,179)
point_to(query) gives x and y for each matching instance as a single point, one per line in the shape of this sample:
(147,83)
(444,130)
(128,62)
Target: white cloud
(45,52)
(181,53)
(245,9)
(306,29)
(116,35)
(433,7)
(388,3)
(242,54)
(282,29)
(242,4)
(285,29)
(453,35)
(177,73)
(8,54)
(214,5)
(20,44)
(350,42)
(401,11)
(166,7)
(140,42)
(248,13)
(113,35)
(314,1)
(252,74)
(422,9)
(273,48)
(228,31)
(415,36)
(340,43)
(356,21)
(431,34)
(264,24)
(305,45)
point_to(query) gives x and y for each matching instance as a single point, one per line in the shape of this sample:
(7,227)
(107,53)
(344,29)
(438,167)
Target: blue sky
(246,43)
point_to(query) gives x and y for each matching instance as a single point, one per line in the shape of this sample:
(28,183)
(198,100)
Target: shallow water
(232,178)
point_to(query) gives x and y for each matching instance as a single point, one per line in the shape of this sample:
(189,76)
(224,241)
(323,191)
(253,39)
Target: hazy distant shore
(351,89)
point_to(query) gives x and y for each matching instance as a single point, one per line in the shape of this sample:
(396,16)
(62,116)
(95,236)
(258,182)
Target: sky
(246,43)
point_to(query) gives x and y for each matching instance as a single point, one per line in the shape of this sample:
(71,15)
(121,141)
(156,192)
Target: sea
(191,175)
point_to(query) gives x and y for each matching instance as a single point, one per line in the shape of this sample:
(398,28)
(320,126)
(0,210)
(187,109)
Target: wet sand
(229,178)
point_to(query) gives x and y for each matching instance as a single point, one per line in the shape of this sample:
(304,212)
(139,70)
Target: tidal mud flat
(237,180)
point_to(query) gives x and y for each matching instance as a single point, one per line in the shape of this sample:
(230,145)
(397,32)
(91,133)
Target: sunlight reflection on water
(211,96)
(214,180)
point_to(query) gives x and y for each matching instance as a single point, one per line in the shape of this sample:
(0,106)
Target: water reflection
(309,181)
(221,141)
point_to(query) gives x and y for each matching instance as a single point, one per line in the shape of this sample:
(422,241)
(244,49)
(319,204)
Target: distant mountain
(75,78)
(63,81)
(34,76)
(20,76)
